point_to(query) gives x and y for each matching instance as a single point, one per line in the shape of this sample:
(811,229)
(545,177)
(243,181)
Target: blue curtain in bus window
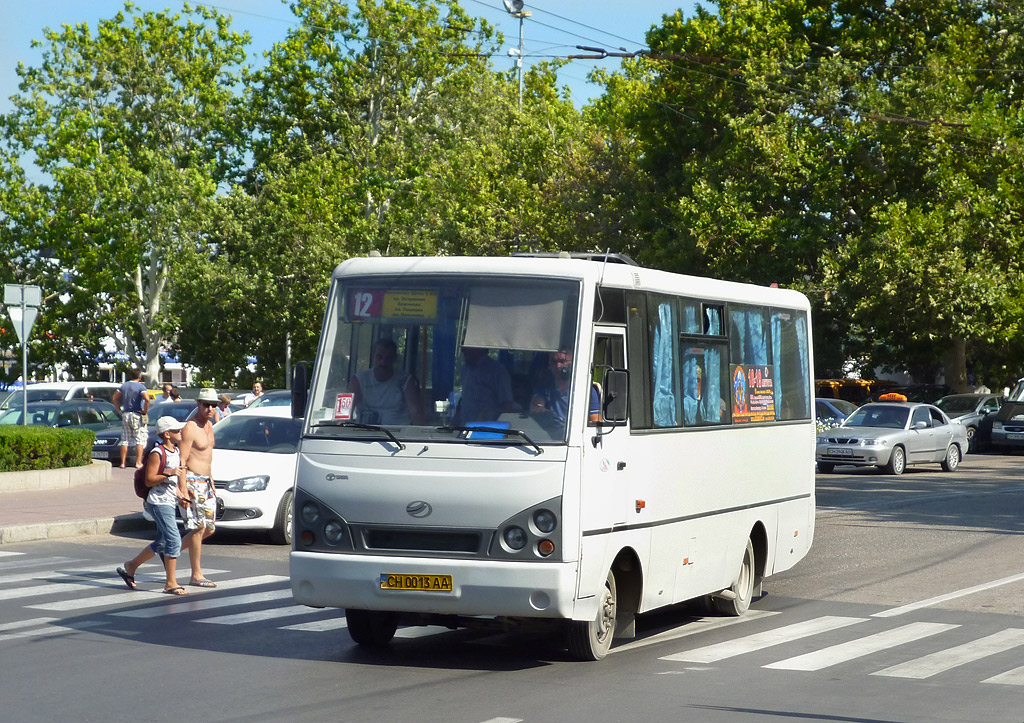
(749,345)
(711,408)
(664,403)
(690,322)
(777,366)
(801,343)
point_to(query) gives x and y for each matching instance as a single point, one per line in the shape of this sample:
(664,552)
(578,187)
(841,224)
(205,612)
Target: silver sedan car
(893,435)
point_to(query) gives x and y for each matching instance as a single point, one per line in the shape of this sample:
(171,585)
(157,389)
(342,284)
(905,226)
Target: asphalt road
(909,608)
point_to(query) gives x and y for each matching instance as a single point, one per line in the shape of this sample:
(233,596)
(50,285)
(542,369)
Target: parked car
(108,439)
(1008,426)
(279,398)
(831,412)
(927,393)
(59,391)
(254,470)
(79,413)
(970,410)
(892,435)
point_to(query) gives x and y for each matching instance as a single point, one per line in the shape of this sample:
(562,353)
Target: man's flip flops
(129,580)
(176,590)
(203,583)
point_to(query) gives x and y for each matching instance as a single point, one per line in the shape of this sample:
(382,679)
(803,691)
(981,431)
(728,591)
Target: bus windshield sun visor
(516,319)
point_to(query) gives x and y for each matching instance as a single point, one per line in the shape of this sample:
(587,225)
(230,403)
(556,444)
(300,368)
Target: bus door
(607,497)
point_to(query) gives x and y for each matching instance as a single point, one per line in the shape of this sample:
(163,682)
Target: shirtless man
(196,458)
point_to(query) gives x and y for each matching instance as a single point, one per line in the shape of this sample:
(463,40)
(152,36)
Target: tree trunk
(955,366)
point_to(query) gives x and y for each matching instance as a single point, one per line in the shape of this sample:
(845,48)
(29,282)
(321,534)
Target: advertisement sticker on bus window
(386,305)
(343,407)
(753,394)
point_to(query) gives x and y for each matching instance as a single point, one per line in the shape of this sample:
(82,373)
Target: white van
(61,391)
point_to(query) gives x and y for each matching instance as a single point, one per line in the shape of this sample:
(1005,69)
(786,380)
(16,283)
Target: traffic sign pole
(23,303)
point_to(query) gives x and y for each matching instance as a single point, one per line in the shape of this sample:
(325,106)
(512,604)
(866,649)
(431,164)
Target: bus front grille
(422,540)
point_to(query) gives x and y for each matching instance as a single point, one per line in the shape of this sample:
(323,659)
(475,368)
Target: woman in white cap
(165,478)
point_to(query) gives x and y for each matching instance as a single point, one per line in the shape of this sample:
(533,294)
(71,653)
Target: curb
(64,529)
(55,479)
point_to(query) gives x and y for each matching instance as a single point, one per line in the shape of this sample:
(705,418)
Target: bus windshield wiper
(358,425)
(496,430)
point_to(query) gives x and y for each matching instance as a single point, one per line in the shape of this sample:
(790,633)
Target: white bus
(576,440)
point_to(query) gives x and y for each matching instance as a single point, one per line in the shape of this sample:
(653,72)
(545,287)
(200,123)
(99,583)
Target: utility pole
(515,9)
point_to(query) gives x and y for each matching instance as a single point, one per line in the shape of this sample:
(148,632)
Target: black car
(108,439)
(971,410)
(78,413)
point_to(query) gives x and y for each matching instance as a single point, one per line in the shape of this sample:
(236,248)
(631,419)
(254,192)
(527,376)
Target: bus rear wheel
(591,640)
(371,628)
(738,596)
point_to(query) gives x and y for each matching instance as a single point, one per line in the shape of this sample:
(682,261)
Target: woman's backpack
(141,488)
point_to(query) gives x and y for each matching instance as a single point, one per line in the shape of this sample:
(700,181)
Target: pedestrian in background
(165,478)
(256,393)
(223,409)
(197,459)
(165,395)
(132,400)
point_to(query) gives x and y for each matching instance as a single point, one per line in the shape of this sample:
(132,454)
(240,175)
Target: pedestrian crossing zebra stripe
(137,595)
(8,553)
(944,660)
(892,612)
(212,603)
(50,632)
(318,626)
(26,624)
(260,615)
(759,641)
(1010,677)
(835,654)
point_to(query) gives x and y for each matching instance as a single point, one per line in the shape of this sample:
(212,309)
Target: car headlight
(997,425)
(249,484)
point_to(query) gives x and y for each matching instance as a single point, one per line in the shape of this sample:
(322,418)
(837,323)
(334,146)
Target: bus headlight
(310,513)
(545,520)
(515,537)
(334,531)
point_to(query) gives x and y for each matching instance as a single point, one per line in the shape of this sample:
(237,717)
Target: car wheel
(972,439)
(952,460)
(897,461)
(826,467)
(282,532)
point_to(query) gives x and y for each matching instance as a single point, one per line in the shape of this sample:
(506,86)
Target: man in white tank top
(382,395)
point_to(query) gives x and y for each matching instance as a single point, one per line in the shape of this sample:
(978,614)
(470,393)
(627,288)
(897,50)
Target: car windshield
(957,405)
(179,410)
(37,414)
(253,433)
(16,398)
(844,406)
(271,400)
(429,357)
(879,415)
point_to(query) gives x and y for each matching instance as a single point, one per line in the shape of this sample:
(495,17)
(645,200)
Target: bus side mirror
(615,405)
(300,389)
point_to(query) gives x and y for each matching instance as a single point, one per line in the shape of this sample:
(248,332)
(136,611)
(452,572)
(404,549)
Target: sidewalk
(86,509)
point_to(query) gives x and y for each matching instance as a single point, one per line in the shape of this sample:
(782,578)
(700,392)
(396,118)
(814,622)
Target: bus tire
(282,532)
(371,628)
(591,640)
(897,461)
(826,467)
(742,589)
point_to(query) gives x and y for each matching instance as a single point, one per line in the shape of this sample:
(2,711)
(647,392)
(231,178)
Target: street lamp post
(515,9)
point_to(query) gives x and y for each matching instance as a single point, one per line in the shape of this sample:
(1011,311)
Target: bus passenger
(382,395)
(553,396)
(486,387)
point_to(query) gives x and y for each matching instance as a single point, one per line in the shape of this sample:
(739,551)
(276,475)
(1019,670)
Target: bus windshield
(473,358)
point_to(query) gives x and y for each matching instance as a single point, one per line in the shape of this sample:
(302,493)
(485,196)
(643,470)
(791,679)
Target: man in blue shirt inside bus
(553,397)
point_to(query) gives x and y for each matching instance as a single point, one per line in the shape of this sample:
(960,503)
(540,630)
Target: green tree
(133,128)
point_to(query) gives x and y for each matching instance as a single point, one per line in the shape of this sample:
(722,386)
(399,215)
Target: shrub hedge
(26,448)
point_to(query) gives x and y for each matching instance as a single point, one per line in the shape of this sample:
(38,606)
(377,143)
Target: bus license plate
(422,583)
(839,452)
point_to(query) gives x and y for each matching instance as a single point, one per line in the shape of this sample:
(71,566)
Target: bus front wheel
(591,640)
(371,628)
(741,592)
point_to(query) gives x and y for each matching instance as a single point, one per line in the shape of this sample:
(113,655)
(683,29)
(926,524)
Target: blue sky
(555,28)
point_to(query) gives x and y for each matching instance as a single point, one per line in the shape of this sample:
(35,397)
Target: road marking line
(421,631)
(696,627)
(196,606)
(87,574)
(7,553)
(318,626)
(26,623)
(51,632)
(1010,677)
(948,596)
(503,720)
(33,562)
(853,649)
(255,616)
(151,595)
(113,581)
(759,641)
(944,660)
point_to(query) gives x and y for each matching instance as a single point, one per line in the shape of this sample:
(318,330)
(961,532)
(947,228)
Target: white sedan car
(254,460)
